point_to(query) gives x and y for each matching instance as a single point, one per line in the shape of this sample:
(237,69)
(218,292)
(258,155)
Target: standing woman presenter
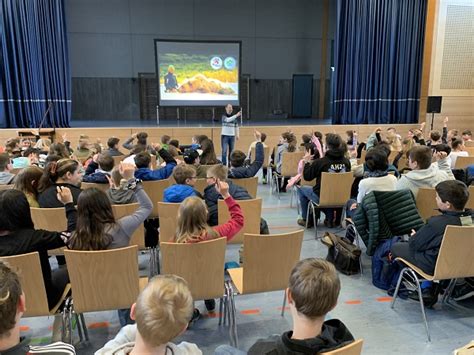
(230,132)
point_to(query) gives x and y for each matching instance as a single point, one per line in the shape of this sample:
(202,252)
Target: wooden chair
(252,211)
(200,185)
(154,190)
(168,220)
(267,264)
(16,170)
(335,192)
(118,159)
(470,202)
(50,219)
(469,144)
(90,185)
(6,187)
(138,237)
(463,162)
(266,154)
(426,202)
(289,168)
(103,280)
(354,348)
(454,261)
(469,150)
(250,184)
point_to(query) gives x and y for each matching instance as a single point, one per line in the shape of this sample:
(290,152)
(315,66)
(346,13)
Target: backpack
(385,272)
(343,254)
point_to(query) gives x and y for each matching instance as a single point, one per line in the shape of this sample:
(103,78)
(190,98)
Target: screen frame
(157,75)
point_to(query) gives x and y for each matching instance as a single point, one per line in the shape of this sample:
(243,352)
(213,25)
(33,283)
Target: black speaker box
(434,104)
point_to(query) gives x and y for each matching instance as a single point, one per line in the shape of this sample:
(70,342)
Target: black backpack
(343,254)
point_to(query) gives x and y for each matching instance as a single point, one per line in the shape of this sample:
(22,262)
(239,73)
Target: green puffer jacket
(384,214)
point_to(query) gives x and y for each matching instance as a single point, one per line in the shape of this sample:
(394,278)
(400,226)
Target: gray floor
(361,306)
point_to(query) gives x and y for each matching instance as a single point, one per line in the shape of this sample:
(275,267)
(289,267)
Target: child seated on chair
(119,193)
(99,169)
(185,177)
(312,293)
(143,161)
(12,308)
(239,169)
(423,247)
(162,312)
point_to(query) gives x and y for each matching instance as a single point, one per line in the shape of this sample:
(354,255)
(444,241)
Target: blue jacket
(94,175)
(163,173)
(178,193)
(251,170)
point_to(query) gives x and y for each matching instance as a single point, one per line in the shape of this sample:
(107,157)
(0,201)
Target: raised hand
(64,194)
(222,188)
(127,170)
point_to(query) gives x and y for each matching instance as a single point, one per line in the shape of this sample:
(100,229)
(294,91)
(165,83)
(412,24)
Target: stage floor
(198,123)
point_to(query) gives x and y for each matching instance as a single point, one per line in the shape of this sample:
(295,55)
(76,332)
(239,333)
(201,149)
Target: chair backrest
(391,156)
(138,237)
(455,254)
(470,202)
(252,211)
(200,185)
(103,280)
(28,267)
(469,144)
(90,185)
(463,162)
(426,202)
(50,219)
(118,159)
(6,187)
(206,167)
(200,264)
(269,259)
(354,348)
(363,153)
(250,184)
(335,188)
(16,170)
(154,190)
(168,220)
(154,162)
(289,163)
(266,155)
(469,150)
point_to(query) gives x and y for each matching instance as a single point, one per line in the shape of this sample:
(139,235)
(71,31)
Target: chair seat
(142,282)
(237,276)
(416,269)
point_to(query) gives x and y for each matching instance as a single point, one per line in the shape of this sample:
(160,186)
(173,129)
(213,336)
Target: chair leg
(291,197)
(449,291)
(400,278)
(79,327)
(84,326)
(315,221)
(284,304)
(307,214)
(233,312)
(357,242)
(221,301)
(420,296)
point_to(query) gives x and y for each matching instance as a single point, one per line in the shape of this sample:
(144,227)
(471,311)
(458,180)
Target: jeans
(350,213)
(306,194)
(227,144)
(228,350)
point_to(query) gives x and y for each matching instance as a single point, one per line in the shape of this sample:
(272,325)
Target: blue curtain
(34,64)
(378,61)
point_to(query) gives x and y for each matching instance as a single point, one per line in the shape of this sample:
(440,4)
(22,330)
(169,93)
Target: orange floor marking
(98,325)
(24,328)
(212,315)
(353,302)
(384,299)
(250,311)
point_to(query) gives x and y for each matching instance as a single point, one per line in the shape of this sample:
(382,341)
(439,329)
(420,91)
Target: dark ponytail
(55,170)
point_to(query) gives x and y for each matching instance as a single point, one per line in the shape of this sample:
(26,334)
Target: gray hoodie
(6,178)
(415,179)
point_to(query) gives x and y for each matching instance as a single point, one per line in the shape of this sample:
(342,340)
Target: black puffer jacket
(211,197)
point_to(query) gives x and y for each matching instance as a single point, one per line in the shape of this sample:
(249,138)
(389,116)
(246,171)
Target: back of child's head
(376,160)
(314,286)
(192,221)
(30,150)
(174,143)
(141,137)
(83,141)
(435,136)
(311,148)
(55,170)
(333,141)
(385,147)
(200,138)
(442,148)
(27,180)
(5,160)
(190,156)
(59,149)
(453,191)
(218,171)
(263,137)
(306,138)
(237,158)
(165,139)
(183,172)
(106,162)
(163,309)
(15,209)
(467,133)
(112,142)
(142,160)
(173,151)
(422,155)
(10,292)
(457,143)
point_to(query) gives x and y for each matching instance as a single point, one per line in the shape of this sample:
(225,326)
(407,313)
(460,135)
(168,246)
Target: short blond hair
(183,172)
(218,171)
(163,309)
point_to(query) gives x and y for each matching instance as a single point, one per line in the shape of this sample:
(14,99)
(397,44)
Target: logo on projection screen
(216,63)
(230,63)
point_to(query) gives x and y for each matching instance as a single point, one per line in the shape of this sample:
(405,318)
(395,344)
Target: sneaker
(210,305)
(264,181)
(301,222)
(195,317)
(430,296)
(462,292)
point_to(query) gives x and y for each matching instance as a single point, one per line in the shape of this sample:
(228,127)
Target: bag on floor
(343,254)
(385,272)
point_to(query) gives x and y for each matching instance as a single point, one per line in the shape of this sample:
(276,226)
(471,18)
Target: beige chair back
(28,267)
(90,185)
(266,155)
(154,190)
(354,348)
(168,220)
(200,185)
(426,202)
(118,159)
(200,264)
(455,254)
(269,259)
(469,144)
(50,219)
(206,167)
(289,163)
(103,280)
(250,184)
(6,187)
(463,162)
(392,156)
(252,211)
(138,237)
(16,170)
(402,162)
(469,150)
(363,153)
(335,189)
(470,202)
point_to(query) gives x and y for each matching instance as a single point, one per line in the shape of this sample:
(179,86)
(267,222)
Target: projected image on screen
(198,73)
